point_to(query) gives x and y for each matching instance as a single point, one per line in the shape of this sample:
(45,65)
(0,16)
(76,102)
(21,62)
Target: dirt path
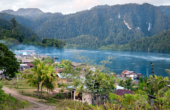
(37,105)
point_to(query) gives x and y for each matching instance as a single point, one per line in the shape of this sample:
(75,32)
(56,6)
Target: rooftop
(27,60)
(127,72)
(23,65)
(121,92)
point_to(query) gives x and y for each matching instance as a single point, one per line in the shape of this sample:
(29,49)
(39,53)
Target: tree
(14,24)
(42,75)
(48,60)
(100,83)
(168,71)
(127,84)
(9,64)
(48,78)
(33,38)
(32,79)
(155,86)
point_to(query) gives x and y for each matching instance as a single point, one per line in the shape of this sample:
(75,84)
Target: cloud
(76,5)
(69,6)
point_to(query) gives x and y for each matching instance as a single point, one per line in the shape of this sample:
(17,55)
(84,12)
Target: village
(26,57)
(42,81)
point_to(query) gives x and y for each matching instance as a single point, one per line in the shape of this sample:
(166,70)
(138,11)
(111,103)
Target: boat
(56,57)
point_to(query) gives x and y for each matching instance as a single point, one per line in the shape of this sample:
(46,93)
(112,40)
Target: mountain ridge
(117,24)
(24,12)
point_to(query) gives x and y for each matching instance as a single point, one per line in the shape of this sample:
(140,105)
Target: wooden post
(74,95)
(17,80)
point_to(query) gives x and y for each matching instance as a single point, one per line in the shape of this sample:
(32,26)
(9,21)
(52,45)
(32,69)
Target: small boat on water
(56,57)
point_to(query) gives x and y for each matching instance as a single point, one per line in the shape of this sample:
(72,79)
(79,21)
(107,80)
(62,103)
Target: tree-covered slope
(21,20)
(156,43)
(117,24)
(83,41)
(165,9)
(27,32)
(13,34)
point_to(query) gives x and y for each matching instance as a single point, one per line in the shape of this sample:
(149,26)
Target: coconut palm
(32,79)
(155,86)
(38,71)
(168,71)
(158,83)
(42,74)
(48,77)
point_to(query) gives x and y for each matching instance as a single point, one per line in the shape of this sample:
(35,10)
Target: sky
(69,6)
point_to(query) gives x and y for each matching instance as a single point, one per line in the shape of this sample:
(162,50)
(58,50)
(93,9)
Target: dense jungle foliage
(14,33)
(156,43)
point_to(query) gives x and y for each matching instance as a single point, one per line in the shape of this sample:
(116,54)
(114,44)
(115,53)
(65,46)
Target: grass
(7,102)
(14,104)
(66,104)
(23,88)
(61,104)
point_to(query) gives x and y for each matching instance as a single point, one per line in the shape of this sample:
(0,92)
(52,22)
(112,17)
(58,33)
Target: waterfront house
(130,74)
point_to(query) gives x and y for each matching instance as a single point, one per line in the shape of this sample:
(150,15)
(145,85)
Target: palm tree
(42,75)
(38,71)
(32,80)
(168,71)
(156,85)
(48,77)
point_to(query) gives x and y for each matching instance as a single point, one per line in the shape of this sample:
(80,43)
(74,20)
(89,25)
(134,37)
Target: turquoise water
(133,61)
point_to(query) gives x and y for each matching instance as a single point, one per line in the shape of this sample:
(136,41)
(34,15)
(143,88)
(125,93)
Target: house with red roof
(131,74)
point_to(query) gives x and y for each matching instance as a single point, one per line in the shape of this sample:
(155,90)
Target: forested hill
(13,34)
(165,9)
(118,24)
(27,32)
(156,43)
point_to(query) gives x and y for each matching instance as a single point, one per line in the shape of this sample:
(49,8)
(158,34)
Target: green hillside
(13,34)
(156,43)
(165,9)
(110,25)
(83,41)
(27,32)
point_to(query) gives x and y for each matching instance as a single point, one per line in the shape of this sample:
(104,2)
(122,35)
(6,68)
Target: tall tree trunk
(38,89)
(41,90)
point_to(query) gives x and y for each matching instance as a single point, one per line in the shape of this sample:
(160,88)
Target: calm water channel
(133,61)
